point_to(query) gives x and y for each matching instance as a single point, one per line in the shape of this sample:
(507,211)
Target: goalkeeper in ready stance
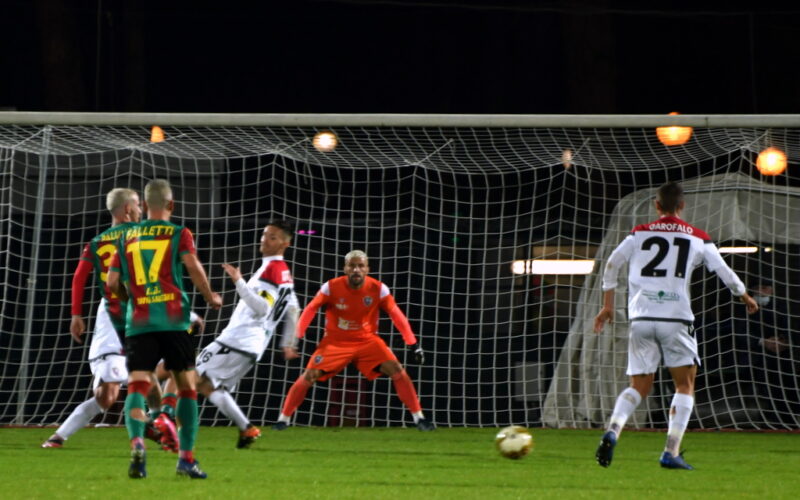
(352,305)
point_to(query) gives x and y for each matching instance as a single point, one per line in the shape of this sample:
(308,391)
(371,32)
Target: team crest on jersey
(367,301)
(317,359)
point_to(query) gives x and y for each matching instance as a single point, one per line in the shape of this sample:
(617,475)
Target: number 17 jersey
(662,255)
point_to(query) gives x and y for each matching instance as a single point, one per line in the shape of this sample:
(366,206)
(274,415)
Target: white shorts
(649,340)
(109,368)
(223,366)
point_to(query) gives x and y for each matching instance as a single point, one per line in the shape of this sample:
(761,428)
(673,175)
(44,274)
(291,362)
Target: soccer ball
(514,442)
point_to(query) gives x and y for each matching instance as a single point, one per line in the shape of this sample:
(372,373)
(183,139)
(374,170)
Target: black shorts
(144,351)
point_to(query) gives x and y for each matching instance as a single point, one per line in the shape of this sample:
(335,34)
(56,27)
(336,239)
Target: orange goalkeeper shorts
(333,357)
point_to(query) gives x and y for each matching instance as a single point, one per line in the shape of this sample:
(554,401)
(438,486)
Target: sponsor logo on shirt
(661,296)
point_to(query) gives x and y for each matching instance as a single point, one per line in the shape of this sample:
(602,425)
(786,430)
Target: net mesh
(442,213)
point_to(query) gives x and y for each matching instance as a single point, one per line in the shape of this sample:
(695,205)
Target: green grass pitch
(403,463)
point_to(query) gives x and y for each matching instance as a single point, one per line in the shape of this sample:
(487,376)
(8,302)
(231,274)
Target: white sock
(224,401)
(679,413)
(284,418)
(626,404)
(418,416)
(79,418)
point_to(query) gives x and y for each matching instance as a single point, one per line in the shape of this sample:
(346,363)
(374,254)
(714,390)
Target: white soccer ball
(514,441)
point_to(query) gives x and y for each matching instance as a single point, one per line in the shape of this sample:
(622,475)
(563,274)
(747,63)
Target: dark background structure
(372,56)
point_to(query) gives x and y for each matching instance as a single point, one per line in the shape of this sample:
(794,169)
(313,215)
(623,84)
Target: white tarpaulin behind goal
(588,377)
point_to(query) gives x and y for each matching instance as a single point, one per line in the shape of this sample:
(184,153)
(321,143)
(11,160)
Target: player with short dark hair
(352,306)
(148,270)
(266,300)
(660,256)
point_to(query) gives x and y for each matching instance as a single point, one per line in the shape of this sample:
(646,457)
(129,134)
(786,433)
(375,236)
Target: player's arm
(309,312)
(289,337)
(401,323)
(254,301)
(619,258)
(114,281)
(77,327)
(198,276)
(716,264)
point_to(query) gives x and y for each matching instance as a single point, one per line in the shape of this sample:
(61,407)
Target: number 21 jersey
(662,255)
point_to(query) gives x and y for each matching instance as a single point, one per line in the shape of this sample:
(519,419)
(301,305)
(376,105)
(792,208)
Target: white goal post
(457,213)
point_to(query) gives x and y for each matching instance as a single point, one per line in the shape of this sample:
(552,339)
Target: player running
(148,268)
(106,358)
(352,304)
(266,299)
(661,256)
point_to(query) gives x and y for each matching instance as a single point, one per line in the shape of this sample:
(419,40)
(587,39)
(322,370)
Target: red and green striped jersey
(99,252)
(149,261)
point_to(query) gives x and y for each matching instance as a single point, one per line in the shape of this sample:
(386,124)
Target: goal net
(468,224)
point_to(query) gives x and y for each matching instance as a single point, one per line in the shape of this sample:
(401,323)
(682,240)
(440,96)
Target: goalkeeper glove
(419,354)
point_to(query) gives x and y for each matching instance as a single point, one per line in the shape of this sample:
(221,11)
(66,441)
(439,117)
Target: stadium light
(552,266)
(771,161)
(674,136)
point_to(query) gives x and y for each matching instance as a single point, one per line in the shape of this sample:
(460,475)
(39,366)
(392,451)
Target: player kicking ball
(265,300)
(660,257)
(352,303)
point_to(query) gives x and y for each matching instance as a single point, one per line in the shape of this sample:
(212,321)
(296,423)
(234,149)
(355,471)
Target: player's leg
(179,359)
(142,355)
(220,370)
(161,426)
(105,395)
(643,358)
(296,396)
(406,392)
(109,372)
(681,358)
(325,362)
(169,393)
(679,413)
(136,419)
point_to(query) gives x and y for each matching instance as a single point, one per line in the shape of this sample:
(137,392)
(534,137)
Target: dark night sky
(329,56)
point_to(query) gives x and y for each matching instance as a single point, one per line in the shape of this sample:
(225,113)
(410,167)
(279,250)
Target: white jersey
(263,302)
(105,339)
(661,256)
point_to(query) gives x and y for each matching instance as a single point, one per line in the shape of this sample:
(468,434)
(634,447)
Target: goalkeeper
(352,304)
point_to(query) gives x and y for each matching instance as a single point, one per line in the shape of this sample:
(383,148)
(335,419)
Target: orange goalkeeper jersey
(352,314)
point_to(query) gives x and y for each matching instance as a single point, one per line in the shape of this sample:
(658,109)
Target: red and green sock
(136,400)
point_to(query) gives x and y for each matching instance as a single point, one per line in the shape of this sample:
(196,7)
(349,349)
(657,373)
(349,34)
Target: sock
(137,395)
(406,392)
(295,396)
(627,401)
(168,404)
(186,412)
(418,416)
(79,418)
(223,400)
(679,413)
